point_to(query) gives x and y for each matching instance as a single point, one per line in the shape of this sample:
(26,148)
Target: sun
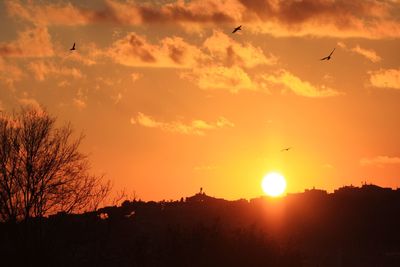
(273,184)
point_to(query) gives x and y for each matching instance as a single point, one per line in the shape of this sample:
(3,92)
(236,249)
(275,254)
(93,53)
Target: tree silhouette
(41,169)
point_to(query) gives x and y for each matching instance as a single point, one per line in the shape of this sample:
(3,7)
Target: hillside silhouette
(353,226)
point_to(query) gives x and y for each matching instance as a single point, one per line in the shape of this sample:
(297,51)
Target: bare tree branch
(42,170)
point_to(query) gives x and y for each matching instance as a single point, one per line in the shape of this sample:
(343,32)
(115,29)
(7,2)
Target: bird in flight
(239,28)
(286,149)
(73,48)
(329,57)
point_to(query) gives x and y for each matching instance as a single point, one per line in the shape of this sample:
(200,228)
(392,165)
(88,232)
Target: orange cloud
(35,42)
(174,52)
(233,53)
(379,161)
(135,50)
(86,54)
(79,103)
(195,11)
(80,99)
(196,127)
(217,64)
(233,79)
(30,102)
(385,78)
(337,18)
(53,14)
(357,18)
(129,13)
(135,76)
(9,74)
(299,87)
(369,54)
(42,69)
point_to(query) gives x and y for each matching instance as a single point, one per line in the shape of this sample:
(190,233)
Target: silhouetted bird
(239,28)
(73,48)
(286,149)
(329,57)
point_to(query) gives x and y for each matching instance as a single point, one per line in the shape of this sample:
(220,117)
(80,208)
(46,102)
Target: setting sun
(273,184)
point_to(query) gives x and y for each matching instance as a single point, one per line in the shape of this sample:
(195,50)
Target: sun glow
(273,184)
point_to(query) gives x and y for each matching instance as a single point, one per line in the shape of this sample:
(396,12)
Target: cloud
(79,103)
(52,14)
(233,79)
(42,69)
(128,13)
(233,53)
(9,73)
(80,99)
(117,98)
(30,102)
(219,63)
(385,78)
(195,11)
(86,54)
(35,42)
(217,52)
(335,18)
(338,18)
(195,127)
(135,76)
(135,50)
(369,54)
(299,87)
(379,161)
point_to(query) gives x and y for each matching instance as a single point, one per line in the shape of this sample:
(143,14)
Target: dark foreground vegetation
(350,227)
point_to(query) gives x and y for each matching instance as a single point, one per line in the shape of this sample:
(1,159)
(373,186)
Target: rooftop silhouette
(353,226)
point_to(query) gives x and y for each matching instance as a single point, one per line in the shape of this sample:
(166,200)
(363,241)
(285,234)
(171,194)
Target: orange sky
(171,101)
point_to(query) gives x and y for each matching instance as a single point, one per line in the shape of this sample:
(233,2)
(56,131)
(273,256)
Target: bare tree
(42,170)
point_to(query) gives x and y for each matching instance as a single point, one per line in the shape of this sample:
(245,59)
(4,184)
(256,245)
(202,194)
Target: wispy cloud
(30,102)
(303,88)
(80,99)
(117,98)
(369,54)
(34,42)
(135,76)
(52,13)
(79,103)
(232,79)
(379,161)
(9,73)
(41,70)
(195,127)
(385,78)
